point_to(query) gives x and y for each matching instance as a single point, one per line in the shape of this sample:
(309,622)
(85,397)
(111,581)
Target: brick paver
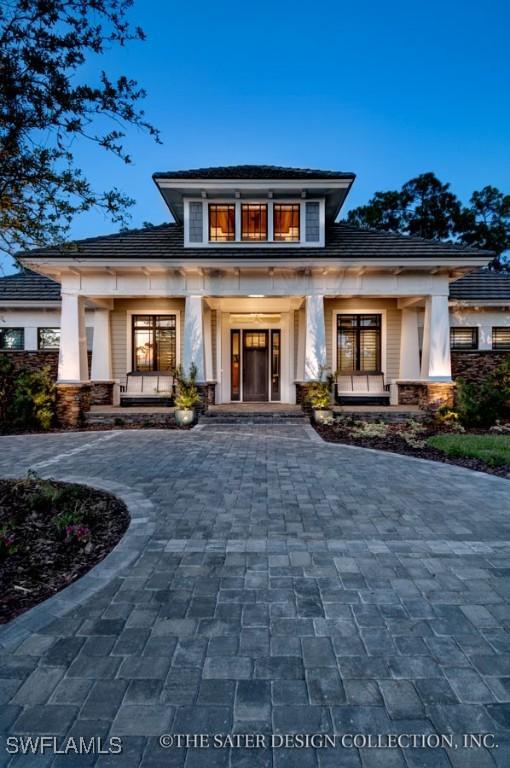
(288,586)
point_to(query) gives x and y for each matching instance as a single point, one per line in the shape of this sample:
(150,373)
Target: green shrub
(33,403)
(318,393)
(479,405)
(187,392)
(7,387)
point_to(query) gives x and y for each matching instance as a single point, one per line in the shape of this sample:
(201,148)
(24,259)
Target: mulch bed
(51,533)
(395,444)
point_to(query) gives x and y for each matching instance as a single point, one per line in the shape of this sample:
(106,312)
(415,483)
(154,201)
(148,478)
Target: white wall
(32,319)
(483,318)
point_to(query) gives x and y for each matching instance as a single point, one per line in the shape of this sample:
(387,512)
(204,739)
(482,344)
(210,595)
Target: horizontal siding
(393,321)
(119,326)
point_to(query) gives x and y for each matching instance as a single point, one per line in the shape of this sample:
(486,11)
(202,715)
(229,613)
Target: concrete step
(253,417)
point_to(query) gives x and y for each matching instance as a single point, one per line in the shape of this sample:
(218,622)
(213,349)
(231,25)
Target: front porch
(259,348)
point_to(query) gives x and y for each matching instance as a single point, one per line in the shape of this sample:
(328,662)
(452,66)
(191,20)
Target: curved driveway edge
(140,529)
(317,438)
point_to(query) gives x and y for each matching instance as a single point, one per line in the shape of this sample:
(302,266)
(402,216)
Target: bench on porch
(362,389)
(147,389)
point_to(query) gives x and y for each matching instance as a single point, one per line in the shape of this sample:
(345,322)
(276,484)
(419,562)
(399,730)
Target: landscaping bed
(478,450)
(51,533)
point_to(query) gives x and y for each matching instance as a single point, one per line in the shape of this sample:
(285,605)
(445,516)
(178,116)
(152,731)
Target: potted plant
(187,396)
(319,397)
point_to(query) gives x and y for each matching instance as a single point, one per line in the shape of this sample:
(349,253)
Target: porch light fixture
(255,295)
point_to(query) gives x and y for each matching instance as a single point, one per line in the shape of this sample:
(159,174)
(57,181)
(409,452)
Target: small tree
(50,100)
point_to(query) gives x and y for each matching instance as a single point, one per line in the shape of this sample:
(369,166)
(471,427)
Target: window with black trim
(253,221)
(12,338)
(48,338)
(358,343)
(286,224)
(222,222)
(464,338)
(501,338)
(154,343)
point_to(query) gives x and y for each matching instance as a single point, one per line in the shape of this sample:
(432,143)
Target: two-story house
(257,284)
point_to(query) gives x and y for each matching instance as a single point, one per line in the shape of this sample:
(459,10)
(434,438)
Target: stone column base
(71,403)
(101,392)
(302,388)
(207,392)
(424,393)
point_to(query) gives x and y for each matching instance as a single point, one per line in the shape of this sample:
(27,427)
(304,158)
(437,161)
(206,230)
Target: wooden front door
(255,366)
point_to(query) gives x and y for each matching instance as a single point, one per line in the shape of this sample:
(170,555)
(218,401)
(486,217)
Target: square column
(315,338)
(436,363)
(409,345)
(72,359)
(194,336)
(101,368)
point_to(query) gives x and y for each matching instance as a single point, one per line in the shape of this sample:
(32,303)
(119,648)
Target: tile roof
(253,172)
(26,285)
(482,285)
(343,242)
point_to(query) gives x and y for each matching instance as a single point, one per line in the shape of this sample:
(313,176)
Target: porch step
(268,418)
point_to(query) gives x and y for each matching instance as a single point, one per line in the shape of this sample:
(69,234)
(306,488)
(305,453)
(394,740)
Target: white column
(194,336)
(409,345)
(208,348)
(315,337)
(72,360)
(436,362)
(101,368)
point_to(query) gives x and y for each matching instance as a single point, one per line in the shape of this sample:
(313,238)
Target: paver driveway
(288,586)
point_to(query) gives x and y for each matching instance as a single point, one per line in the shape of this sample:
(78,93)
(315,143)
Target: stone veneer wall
(207,394)
(476,365)
(34,360)
(419,393)
(73,400)
(101,392)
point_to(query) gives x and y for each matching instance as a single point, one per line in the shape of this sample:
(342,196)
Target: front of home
(257,284)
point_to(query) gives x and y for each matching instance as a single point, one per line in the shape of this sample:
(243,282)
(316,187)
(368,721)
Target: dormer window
(222,223)
(253,222)
(286,222)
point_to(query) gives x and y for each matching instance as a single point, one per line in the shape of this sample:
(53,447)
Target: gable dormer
(254,205)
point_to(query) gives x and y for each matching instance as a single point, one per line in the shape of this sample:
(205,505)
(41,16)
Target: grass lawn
(493,449)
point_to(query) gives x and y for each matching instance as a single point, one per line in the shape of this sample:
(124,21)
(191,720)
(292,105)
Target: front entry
(255,366)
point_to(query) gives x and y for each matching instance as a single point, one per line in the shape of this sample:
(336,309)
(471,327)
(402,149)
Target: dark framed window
(464,338)
(222,222)
(12,338)
(235,365)
(358,343)
(48,338)
(286,224)
(275,364)
(253,221)
(154,343)
(501,338)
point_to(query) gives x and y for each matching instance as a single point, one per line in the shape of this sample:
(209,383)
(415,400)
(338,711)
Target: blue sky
(387,90)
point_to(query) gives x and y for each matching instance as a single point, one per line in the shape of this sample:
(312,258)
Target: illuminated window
(464,338)
(254,222)
(501,338)
(286,222)
(12,338)
(222,223)
(154,343)
(359,343)
(48,338)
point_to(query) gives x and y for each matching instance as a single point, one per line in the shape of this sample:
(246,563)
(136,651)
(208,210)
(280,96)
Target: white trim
(223,320)
(361,311)
(151,311)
